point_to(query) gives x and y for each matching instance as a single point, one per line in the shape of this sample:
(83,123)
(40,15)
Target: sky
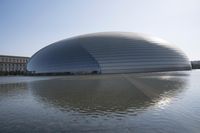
(26,26)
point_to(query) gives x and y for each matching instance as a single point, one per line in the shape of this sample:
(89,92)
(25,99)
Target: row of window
(8,70)
(13,60)
(12,67)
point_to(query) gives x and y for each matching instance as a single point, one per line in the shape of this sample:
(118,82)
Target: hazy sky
(28,25)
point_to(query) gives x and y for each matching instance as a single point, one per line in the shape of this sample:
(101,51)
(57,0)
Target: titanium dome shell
(108,52)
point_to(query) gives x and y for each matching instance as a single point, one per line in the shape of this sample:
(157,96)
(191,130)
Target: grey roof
(109,52)
(13,56)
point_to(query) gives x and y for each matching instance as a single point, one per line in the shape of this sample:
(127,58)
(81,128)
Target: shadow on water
(108,93)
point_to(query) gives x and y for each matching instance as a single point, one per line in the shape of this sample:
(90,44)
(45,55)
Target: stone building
(13,64)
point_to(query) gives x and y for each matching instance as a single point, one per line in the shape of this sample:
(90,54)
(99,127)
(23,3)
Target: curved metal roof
(109,52)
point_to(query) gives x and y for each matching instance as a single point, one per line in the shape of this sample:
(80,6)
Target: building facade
(108,52)
(13,64)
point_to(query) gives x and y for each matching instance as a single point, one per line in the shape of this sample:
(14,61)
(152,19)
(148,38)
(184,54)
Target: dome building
(108,52)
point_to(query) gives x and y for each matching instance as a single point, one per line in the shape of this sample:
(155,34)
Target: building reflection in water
(12,87)
(109,93)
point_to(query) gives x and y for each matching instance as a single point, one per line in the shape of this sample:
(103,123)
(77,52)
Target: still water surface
(144,103)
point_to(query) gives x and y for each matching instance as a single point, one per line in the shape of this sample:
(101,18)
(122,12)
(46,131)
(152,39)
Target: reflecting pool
(145,103)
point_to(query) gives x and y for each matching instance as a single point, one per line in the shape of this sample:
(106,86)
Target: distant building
(195,64)
(13,64)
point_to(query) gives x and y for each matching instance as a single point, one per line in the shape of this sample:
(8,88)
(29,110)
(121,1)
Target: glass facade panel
(63,57)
